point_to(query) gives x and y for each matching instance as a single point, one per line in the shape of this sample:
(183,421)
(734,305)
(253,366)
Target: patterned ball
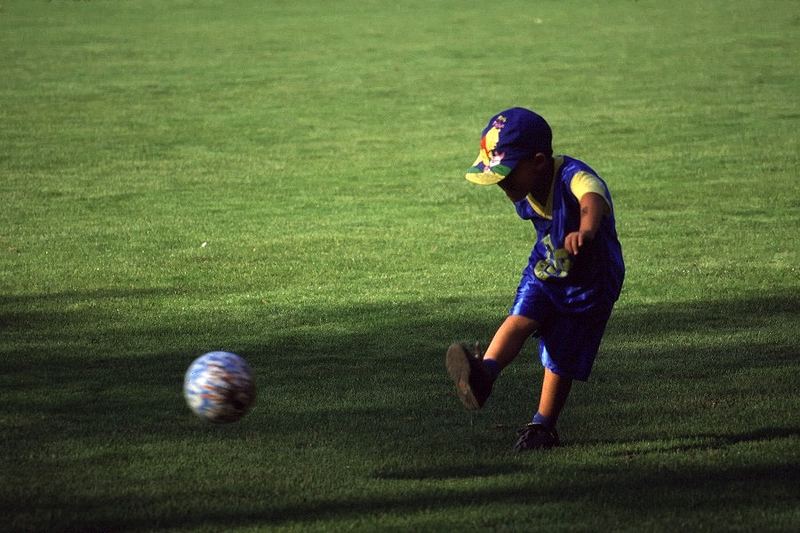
(219,387)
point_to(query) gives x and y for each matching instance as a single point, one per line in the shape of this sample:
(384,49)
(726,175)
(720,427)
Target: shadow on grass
(715,488)
(700,442)
(366,380)
(723,316)
(75,353)
(450,471)
(684,444)
(606,495)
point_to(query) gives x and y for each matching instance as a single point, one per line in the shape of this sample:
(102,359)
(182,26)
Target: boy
(574,274)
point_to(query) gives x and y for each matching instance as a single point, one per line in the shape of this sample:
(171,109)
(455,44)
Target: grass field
(285,180)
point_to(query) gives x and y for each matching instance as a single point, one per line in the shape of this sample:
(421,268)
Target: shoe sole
(458,368)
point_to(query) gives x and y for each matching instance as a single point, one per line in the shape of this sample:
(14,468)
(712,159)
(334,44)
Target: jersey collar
(546,211)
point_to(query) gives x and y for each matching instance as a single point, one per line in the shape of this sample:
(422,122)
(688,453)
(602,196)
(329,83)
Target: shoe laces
(530,430)
(478,352)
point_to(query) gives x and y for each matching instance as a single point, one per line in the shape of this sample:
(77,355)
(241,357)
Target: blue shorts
(568,341)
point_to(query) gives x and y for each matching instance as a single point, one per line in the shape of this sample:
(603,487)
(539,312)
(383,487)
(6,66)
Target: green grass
(317,150)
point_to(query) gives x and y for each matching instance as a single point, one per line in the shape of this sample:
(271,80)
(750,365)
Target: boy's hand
(593,208)
(575,240)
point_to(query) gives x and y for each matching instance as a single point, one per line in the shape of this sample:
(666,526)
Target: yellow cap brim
(480,177)
(481,174)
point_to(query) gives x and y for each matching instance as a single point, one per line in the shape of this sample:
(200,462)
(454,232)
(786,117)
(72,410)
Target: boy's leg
(555,390)
(569,345)
(509,338)
(541,432)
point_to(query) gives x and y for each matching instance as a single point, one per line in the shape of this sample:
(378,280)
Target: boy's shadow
(688,443)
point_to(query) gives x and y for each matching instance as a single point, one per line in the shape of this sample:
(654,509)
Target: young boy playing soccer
(574,273)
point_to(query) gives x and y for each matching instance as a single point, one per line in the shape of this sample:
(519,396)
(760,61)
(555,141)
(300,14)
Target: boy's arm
(593,207)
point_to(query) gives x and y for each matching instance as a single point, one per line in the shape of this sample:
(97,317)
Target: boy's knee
(521,325)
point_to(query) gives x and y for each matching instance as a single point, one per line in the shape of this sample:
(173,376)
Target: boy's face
(527,177)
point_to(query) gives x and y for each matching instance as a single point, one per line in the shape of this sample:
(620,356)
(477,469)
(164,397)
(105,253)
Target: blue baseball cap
(510,136)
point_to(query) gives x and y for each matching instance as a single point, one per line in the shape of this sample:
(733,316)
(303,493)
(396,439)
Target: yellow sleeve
(583,182)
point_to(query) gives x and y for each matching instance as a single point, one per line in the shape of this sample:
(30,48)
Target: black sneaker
(536,437)
(473,383)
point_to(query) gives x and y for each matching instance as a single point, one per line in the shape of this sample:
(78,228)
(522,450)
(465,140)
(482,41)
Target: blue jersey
(593,279)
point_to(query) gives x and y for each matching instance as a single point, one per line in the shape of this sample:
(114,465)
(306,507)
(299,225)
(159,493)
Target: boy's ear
(539,159)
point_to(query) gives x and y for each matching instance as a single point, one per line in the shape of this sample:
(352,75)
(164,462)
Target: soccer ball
(219,387)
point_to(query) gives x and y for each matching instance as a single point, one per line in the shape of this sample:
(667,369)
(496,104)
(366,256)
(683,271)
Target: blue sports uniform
(571,297)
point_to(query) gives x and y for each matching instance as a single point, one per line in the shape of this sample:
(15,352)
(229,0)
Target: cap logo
(489,142)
